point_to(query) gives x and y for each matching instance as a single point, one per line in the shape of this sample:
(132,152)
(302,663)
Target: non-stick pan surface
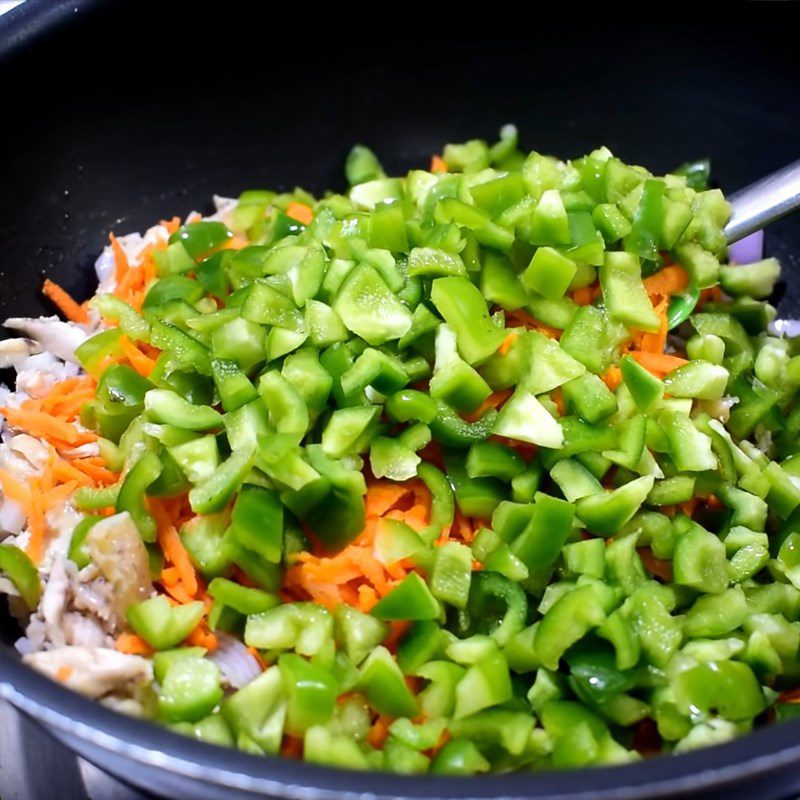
(116,114)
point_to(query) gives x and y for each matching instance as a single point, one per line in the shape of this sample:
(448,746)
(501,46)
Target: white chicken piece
(53,335)
(92,671)
(15,352)
(34,450)
(116,548)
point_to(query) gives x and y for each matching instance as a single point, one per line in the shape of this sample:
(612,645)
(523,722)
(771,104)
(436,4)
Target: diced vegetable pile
(444,454)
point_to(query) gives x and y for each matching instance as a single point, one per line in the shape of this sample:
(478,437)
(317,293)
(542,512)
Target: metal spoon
(754,207)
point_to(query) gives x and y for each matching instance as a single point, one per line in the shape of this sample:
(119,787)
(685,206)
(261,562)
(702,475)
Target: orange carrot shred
(71,309)
(583,296)
(143,364)
(133,644)
(121,265)
(670,280)
(507,342)
(64,673)
(438,165)
(292,746)
(301,212)
(658,363)
(172,224)
(379,732)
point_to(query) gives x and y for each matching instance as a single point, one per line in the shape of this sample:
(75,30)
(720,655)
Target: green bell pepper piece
(485,684)
(358,633)
(624,294)
(171,409)
(607,512)
(119,400)
(201,238)
(411,599)
(164,626)
(21,571)
(566,622)
(690,448)
(454,381)
(368,308)
(131,495)
(451,574)
(459,757)
(383,685)
(727,688)
(493,460)
(549,273)
(310,692)
(256,713)
(524,418)
(645,388)
(750,280)
(190,690)
(234,387)
(216,492)
(257,522)
(464,309)
(589,397)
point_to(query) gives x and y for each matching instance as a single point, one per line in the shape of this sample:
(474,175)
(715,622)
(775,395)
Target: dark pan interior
(128,112)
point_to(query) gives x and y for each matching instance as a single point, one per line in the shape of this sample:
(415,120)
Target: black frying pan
(120,113)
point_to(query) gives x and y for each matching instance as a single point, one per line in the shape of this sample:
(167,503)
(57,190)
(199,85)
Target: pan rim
(72,715)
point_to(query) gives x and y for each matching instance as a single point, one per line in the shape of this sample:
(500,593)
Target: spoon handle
(763,202)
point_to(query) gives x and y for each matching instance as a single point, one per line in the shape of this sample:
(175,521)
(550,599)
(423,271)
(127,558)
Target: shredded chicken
(93,671)
(87,608)
(53,335)
(15,352)
(116,548)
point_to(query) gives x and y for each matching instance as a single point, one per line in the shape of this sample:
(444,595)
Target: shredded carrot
(583,296)
(201,636)
(522,317)
(658,363)
(494,400)
(71,309)
(39,424)
(557,396)
(397,629)
(65,471)
(64,673)
(301,212)
(613,378)
(96,471)
(443,740)
(37,529)
(121,265)
(655,342)
(657,567)
(507,342)
(58,495)
(176,553)
(172,224)
(438,165)
(383,495)
(16,490)
(379,732)
(689,507)
(258,657)
(133,644)
(670,280)
(790,696)
(713,294)
(367,597)
(292,746)
(138,360)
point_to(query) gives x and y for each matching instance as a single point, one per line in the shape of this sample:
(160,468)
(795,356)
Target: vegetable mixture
(489,467)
